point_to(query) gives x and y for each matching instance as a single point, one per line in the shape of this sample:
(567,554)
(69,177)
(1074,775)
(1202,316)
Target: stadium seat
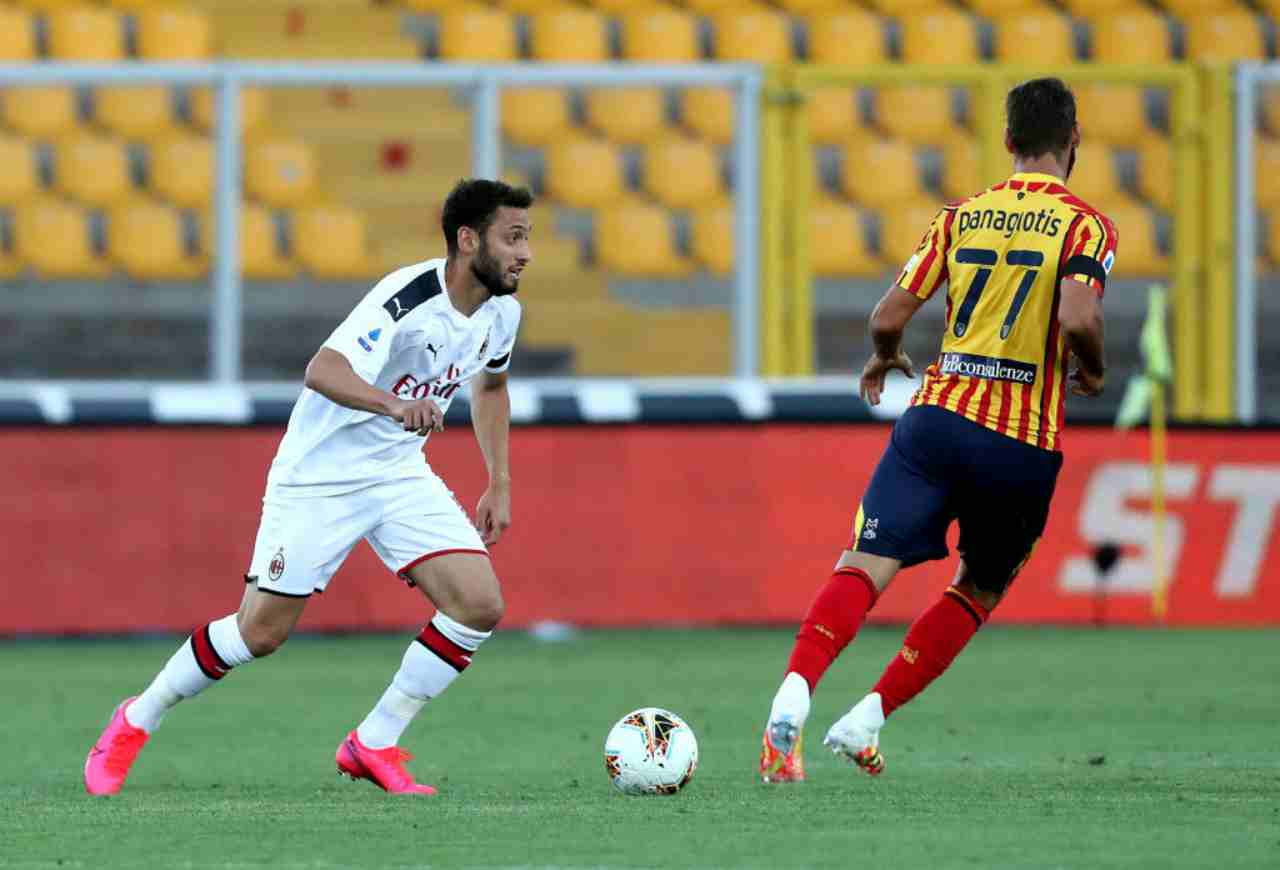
(1136,35)
(52,237)
(280,172)
(846,37)
(1155,170)
(709,113)
(17,35)
(329,242)
(253,109)
(620,7)
(86,34)
(961,168)
(1000,8)
(434,6)
(683,173)
(804,7)
(134,112)
(260,255)
(1269,106)
(833,115)
(902,228)
(1094,178)
(903,7)
(535,116)
(146,239)
(49,5)
(93,170)
(1225,36)
(1191,8)
(757,35)
(1139,254)
(660,35)
(19,172)
(1113,114)
(584,173)
(712,241)
(838,243)
(529,7)
(1094,8)
(631,116)
(879,173)
(939,35)
(1266,171)
(477,34)
(920,114)
(569,34)
(635,238)
(173,34)
(181,170)
(715,7)
(39,111)
(1036,36)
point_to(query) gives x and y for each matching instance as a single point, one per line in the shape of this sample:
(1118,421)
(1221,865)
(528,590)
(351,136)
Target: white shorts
(303,540)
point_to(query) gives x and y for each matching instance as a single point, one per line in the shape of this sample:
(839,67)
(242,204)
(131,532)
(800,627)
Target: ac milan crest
(276,569)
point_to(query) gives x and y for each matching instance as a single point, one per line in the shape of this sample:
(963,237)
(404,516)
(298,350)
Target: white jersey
(404,337)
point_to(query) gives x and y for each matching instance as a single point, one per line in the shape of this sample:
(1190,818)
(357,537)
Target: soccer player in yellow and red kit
(1024,263)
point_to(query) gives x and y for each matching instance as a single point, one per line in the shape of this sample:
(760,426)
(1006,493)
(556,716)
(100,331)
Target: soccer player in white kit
(351,466)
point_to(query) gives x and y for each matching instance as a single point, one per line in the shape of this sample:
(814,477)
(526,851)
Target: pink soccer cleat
(383,767)
(107,766)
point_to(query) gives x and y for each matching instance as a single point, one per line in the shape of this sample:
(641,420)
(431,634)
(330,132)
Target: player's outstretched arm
(1080,313)
(491,419)
(888,321)
(330,374)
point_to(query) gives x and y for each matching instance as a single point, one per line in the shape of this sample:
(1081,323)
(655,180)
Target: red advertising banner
(119,530)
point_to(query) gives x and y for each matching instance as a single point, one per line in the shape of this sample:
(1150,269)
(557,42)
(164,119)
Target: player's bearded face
(489,272)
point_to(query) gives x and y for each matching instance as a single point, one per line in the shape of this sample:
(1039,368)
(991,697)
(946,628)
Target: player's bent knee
(263,640)
(482,612)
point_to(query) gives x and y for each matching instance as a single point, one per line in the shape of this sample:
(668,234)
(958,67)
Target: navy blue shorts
(940,467)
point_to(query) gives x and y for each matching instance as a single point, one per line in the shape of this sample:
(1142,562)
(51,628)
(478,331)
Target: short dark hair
(474,202)
(1041,115)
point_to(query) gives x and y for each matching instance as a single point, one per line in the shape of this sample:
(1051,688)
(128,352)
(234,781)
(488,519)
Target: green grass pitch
(1041,748)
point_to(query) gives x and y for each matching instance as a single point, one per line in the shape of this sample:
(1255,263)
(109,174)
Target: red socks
(831,623)
(932,643)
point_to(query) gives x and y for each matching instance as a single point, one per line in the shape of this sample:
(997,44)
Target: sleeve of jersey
(926,271)
(501,360)
(365,339)
(1091,252)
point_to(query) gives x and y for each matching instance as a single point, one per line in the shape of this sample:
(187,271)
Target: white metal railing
(1248,77)
(485,84)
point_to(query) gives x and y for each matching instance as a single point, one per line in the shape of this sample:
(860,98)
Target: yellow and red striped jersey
(1003,255)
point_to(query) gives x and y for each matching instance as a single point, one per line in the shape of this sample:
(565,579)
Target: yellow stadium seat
(136,113)
(902,228)
(1113,114)
(477,34)
(961,168)
(880,173)
(584,173)
(683,173)
(93,169)
(838,243)
(39,111)
(758,35)
(535,116)
(848,37)
(1094,178)
(173,34)
(999,8)
(1155,170)
(1266,171)
(833,115)
(569,34)
(529,7)
(260,255)
(709,113)
(619,7)
(434,6)
(1095,8)
(903,7)
(253,109)
(1137,35)
(52,237)
(712,240)
(635,238)
(1225,36)
(136,5)
(1191,8)
(715,7)
(17,35)
(181,169)
(1035,37)
(939,35)
(280,172)
(628,115)
(920,114)
(146,239)
(1139,254)
(660,35)
(19,172)
(329,242)
(86,34)
(49,5)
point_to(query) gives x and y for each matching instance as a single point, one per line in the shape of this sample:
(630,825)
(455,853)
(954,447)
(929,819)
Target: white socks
(792,700)
(431,663)
(205,658)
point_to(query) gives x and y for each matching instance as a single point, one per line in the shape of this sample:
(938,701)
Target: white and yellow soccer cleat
(855,736)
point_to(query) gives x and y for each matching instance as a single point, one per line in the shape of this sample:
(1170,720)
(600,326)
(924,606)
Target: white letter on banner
(1256,490)
(1105,517)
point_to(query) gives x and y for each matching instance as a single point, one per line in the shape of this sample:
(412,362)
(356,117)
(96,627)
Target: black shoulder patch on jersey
(1081,264)
(413,294)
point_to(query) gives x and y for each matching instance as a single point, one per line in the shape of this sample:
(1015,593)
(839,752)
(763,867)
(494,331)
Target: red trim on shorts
(429,556)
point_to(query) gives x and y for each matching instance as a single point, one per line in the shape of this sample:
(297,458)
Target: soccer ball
(651,751)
